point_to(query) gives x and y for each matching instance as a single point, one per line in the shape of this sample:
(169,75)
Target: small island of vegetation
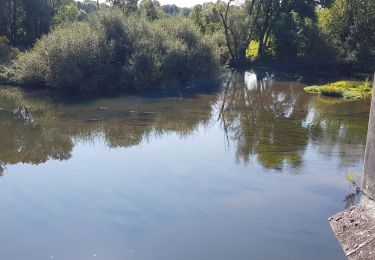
(350,90)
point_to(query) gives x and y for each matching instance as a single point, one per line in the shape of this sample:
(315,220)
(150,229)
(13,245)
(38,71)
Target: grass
(350,90)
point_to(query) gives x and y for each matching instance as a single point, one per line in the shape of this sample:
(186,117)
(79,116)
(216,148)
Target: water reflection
(154,178)
(37,136)
(27,142)
(258,117)
(269,121)
(274,121)
(340,128)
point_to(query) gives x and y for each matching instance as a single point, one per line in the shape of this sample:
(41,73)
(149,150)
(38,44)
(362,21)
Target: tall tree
(22,21)
(349,27)
(128,6)
(239,24)
(150,9)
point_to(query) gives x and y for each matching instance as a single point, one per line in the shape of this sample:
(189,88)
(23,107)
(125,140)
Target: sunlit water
(252,171)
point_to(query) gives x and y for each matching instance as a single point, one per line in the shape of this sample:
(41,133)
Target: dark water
(250,172)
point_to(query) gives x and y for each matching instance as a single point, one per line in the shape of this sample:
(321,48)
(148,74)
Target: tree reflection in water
(26,142)
(274,121)
(260,117)
(339,127)
(269,121)
(35,136)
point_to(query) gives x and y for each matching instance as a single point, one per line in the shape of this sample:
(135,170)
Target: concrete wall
(369,168)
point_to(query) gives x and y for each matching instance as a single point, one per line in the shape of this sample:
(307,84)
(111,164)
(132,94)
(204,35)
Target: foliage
(351,90)
(127,6)
(218,46)
(113,50)
(24,21)
(348,27)
(150,9)
(172,9)
(239,23)
(286,31)
(352,178)
(136,43)
(252,50)
(206,17)
(88,6)
(7,51)
(69,13)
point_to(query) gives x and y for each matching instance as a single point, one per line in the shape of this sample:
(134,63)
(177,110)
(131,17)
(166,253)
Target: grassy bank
(350,90)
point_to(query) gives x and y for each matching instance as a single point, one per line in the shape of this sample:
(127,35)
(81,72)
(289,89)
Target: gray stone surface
(355,227)
(369,167)
(355,230)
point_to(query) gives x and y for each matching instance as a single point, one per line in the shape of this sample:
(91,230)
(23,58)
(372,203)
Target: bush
(112,50)
(68,57)
(7,52)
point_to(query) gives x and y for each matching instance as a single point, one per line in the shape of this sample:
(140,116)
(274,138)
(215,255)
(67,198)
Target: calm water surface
(252,171)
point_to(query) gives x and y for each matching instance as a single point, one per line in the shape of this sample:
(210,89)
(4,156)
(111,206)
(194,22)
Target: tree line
(316,34)
(312,32)
(22,22)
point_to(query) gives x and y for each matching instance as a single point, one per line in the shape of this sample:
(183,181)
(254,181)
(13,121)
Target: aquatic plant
(350,90)
(354,180)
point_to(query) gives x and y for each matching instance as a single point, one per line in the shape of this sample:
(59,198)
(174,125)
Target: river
(250,171)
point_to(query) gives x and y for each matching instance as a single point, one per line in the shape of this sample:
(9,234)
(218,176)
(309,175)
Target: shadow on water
(266,119)
(178,91)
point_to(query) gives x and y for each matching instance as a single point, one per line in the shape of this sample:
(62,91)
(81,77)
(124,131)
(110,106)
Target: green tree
(348,27)
(128,6)
(239,24)
(206,17)
(23,21)
(69,13)
(150,9)
(287,32)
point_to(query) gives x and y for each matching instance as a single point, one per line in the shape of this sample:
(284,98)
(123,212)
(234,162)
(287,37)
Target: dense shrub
(7,52)
(65,58)
(112,50)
